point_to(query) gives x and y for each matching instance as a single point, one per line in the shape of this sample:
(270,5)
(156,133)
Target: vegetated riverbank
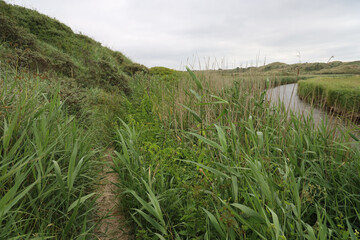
(201,159)
(338,94)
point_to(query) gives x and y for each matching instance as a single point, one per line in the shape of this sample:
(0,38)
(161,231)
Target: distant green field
(342,94)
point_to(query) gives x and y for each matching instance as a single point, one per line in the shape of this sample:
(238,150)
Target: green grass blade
(196,116)
(194,78)
(154,223)
(215,223)
(80,201)
(207,141)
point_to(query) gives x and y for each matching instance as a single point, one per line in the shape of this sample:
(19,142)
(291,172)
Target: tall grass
(206,160)
(339,94)
(45,164)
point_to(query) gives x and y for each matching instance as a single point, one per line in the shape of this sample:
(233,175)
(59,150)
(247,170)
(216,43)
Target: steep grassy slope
(92,77)
(32,40)
(60,95)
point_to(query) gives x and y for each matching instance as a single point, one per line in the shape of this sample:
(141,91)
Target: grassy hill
(60,95)
(32,41)
(43,44)
(283,69)
(89,73)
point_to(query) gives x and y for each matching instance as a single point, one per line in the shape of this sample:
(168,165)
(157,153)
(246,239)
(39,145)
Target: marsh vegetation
(339,94)
(200,159)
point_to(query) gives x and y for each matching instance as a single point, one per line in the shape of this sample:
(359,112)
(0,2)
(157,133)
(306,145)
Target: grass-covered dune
(32,41)
(318,68)
(341,94)
(37,42)
(91,77)
(60,96)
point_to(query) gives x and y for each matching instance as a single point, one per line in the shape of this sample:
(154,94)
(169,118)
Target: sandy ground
(112,222)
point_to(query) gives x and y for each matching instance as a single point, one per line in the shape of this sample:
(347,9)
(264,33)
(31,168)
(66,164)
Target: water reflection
(287,94)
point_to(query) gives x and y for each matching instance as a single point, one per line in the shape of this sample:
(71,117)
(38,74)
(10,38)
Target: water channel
(287,94)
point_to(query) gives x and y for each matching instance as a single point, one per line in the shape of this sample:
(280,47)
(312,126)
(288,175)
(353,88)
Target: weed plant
(206,157)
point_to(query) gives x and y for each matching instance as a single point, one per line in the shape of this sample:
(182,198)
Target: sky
(212,34)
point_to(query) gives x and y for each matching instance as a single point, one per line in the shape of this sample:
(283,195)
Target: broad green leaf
(222,138)
(198,97)
(213,170)
(249,212)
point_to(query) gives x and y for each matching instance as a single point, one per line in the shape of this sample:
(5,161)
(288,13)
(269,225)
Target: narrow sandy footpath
(112,222)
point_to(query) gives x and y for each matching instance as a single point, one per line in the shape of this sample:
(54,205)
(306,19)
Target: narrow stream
(287,94)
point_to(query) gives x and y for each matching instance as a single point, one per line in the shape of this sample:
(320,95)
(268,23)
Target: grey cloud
(169,32)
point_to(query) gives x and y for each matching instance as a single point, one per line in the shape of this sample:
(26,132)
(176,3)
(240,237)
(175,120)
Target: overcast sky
(215,33)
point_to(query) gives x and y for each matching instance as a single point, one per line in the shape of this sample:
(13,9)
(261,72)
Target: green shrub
(14,35)
(162,71)
(133,68)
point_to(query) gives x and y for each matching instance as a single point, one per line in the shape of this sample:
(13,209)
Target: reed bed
(338,94)
(201,157)
(45,163)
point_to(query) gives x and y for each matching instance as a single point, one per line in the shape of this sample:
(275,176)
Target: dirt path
(112,222)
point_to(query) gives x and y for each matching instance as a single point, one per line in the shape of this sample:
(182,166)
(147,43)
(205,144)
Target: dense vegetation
(46,163)
(60,96)
(208,158)
(341,94)
(91,76)
(199,155)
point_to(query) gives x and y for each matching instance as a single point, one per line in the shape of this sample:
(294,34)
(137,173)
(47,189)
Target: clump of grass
(200,161)
(339,94)
(46,164)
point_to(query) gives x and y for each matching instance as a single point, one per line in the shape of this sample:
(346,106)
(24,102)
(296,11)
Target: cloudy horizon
(215,34)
